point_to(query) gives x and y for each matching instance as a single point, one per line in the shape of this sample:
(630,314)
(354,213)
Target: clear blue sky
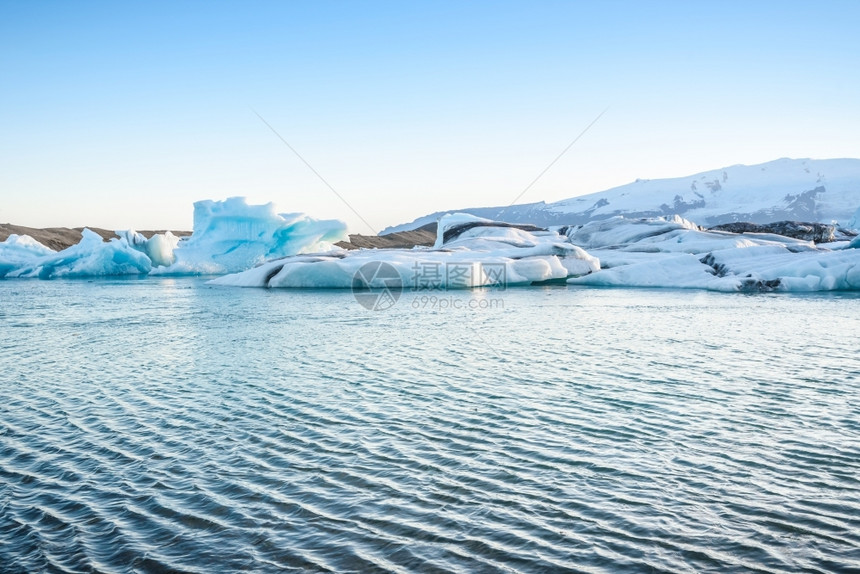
(122,114)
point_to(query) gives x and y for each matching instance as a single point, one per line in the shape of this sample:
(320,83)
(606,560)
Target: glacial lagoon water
(166,425)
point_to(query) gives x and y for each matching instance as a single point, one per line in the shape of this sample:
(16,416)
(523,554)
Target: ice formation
(259,247)
(92,257)
(855,221)
(672,252)
(18,250)
(228,236)
(159,248)
(469,252)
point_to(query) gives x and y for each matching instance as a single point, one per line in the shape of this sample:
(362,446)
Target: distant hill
(821,190)
(425,235)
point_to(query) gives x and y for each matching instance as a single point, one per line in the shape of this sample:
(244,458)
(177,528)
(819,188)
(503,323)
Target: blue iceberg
(229,236)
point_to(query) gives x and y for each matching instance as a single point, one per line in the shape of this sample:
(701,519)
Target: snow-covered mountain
(823,190)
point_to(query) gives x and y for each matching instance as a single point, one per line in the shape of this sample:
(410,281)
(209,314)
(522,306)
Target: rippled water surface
(158,424)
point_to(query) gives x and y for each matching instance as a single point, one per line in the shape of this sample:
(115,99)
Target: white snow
(811,190)
(759,189)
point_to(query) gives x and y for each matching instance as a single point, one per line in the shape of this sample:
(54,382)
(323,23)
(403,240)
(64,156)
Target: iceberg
(855,221)
(469,252)
(18,250)
(255,246)
(92,257)
(228,236)
(673,252)
(159,248)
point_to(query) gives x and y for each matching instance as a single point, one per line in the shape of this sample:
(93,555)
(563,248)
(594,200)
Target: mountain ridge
(815,190)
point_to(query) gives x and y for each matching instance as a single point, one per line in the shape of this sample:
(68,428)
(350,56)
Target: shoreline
(59,238)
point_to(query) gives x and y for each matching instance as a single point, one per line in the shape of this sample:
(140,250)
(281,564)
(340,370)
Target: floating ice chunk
(92,257)
(472,252)
(682,271)
(465,230)
(17,250)
(809,271)
(855,221)
(657,253)
(22,246)
(417,269)
(228,236)
(668,235)
(159,248)
(231,236)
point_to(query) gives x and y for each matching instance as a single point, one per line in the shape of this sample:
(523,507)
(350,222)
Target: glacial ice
(855,221)
(469,252)
(257,247)
(228,236)
(672,252)
(18,250)
(92,257)
(159,248)
(650,252)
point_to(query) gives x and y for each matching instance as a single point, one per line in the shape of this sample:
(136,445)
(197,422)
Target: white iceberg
(672,252)
(469,252)
(159,248)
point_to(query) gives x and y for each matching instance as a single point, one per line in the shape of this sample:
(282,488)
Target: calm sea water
(161,424)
